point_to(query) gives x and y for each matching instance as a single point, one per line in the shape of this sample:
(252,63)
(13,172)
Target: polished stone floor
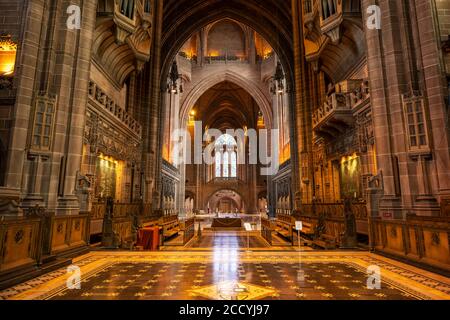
(228,273)
(228,240)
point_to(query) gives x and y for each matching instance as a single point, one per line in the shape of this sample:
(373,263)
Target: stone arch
(214,79)
(270,19)
(222,188)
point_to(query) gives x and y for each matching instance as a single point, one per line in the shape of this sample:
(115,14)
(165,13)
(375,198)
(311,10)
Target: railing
(227,57)
(189,230)
(26,243)
(351,95)
(334,210)
(360,94)
(266,230)
(106,103)
(335,102)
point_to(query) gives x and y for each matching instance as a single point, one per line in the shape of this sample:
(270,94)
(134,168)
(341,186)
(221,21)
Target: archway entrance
(226,202)
(226,77)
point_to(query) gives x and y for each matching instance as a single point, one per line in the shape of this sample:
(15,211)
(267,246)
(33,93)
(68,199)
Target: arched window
(226,165)
(226,157)
(233,173)
(218,165)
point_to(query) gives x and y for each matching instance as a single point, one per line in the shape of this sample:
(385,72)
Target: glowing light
(8,51)
(214,53)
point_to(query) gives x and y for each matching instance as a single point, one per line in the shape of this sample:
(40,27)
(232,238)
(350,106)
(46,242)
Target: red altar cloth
(148,238)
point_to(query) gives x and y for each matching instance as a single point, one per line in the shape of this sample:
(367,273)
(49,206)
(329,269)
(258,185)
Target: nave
(224,149)
(222,268)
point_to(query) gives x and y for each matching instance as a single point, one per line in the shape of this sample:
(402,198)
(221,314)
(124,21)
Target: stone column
(302,113)
(403,60)
(73,93)
(26,72)
(153,149)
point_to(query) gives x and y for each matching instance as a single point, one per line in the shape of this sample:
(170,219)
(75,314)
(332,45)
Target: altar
(227,223)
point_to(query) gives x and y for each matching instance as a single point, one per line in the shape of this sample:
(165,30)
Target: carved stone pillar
(302,113)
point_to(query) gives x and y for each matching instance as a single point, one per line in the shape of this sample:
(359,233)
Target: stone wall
(11,13)
(443,9)
(226,38)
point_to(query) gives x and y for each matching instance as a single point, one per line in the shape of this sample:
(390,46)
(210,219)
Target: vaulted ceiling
(270,18)
(227,106)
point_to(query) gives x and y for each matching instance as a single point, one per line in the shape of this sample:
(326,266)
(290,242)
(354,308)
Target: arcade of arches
(206,127)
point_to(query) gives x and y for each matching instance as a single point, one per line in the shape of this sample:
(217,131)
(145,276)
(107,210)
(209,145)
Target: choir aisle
(220,266)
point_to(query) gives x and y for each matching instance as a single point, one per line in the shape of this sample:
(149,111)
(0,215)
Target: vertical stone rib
(155,116)
(302,107)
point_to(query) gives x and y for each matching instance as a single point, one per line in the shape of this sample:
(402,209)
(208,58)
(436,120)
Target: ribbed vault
(118,60)
(227,106)
(270,18)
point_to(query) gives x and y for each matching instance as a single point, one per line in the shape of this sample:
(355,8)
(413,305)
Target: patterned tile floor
(229,273)
(227,240)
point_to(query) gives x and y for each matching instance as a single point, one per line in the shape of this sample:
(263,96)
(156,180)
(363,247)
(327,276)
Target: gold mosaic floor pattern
(231,274)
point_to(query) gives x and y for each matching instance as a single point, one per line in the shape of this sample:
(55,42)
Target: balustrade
(106,103)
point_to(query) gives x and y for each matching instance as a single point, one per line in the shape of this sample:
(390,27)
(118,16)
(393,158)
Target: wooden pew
(284,225)
(326,242)
(308,229)
(189,230)
(266,230)
(170,226)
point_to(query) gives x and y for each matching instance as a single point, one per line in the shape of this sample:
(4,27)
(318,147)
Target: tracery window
(43,124)
(416,123)
(226,157)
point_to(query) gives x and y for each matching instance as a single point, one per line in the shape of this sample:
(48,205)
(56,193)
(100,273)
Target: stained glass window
(233,165)
(218,165)
(226,161)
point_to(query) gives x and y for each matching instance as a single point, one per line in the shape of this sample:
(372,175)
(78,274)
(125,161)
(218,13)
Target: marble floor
(228,273)
(228,240)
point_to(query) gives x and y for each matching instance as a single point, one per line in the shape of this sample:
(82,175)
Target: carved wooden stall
(285,226)
(424,240)
(19,244)
(170,225)
(189,230)
(68,234)
(326,222)
(266,230)
(30,245)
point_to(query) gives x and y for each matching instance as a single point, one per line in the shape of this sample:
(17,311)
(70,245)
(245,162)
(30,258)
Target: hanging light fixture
(172,86)
(278,80)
